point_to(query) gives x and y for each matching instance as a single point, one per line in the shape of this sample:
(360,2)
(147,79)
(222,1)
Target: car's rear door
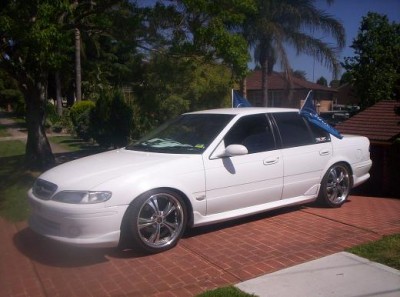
(306,151)
(246,180)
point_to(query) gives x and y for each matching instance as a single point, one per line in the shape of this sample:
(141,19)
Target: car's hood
(88,172)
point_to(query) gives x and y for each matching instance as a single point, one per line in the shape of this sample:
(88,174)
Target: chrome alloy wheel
(338,184)
(160,220)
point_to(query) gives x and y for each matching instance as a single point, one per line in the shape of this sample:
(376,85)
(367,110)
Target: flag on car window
(239,101)
(310,114)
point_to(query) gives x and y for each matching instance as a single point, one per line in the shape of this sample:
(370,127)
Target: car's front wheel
(157,220)
(335,186)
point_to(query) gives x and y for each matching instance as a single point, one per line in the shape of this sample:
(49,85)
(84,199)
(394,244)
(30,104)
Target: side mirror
(234,150)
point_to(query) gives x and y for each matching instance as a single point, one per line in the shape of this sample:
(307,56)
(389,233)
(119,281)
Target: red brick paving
(205,258)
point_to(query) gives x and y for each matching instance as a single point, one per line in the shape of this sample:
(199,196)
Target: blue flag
(239,101)
(310,114)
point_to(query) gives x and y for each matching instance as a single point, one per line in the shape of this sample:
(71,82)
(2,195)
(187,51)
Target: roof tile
(277,81)
(378,122)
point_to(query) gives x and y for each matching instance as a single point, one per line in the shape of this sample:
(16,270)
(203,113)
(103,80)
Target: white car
(200,168)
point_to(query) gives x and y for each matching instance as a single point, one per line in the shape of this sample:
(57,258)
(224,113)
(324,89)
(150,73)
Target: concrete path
(338,275)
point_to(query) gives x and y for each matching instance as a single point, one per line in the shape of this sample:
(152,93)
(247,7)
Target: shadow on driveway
(56,254)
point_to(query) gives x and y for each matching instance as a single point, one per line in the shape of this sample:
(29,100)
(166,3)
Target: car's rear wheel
(157,220)
(335,186)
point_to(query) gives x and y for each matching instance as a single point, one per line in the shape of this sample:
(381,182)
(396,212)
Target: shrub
(51,115)
(80,117)
(111,120)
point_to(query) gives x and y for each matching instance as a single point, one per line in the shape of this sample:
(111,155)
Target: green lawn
(225,292)
(14,181)
(385,251)
(3,131)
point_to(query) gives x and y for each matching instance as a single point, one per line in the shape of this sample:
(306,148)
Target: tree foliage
(36,40)
(277,24)
(300,74)
(32,44)
(204,29)
(80,115)
(174,56)
(375,68)
(322,81)
(171,86)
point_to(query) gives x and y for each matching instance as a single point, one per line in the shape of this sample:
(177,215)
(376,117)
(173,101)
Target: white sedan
(200,168)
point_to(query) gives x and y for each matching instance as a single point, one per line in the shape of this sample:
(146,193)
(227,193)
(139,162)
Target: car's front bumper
(93,225)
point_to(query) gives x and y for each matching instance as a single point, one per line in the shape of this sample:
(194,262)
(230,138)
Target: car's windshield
(187,134)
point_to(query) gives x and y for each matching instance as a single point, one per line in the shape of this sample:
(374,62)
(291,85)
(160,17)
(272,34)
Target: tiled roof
(277,81)
(378,123)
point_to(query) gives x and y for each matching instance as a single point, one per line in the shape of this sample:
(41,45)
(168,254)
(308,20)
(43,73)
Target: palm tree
(281,23)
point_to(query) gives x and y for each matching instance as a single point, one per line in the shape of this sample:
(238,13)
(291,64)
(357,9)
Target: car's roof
(244,110)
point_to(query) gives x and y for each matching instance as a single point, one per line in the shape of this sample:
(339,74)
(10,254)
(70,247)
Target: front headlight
(82,197)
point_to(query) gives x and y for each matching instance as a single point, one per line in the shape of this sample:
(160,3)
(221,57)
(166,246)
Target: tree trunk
(78,70)
(58,93)
(38,155)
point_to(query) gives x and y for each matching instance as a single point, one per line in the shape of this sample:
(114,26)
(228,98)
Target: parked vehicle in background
(200,168)
(339,114)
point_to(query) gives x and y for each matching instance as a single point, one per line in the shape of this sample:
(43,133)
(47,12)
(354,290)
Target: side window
(320,136)
(254,132)
(293,129)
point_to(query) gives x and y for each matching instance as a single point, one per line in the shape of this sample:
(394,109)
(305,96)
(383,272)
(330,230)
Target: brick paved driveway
(206,258)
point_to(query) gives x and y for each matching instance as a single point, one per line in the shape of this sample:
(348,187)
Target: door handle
(271,161)
(324,152)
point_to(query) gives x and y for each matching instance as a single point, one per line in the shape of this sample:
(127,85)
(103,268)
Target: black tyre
(156,220)
(335,186)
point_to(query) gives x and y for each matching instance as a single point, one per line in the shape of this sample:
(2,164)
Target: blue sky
(350,13)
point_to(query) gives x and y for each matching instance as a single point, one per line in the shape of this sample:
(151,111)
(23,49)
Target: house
(381,125)
(346,95)
(288,93)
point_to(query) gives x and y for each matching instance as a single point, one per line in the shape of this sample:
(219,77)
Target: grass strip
(229,291)
(385,251)
(3,131)
(15,181)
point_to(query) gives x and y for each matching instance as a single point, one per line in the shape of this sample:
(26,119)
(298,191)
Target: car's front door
(245,180)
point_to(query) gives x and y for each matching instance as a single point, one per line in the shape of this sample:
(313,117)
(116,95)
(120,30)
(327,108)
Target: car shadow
(319,205)
(52,253)
(241,221)
(48,252)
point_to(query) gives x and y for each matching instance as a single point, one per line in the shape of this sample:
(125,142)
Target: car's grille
(43,189)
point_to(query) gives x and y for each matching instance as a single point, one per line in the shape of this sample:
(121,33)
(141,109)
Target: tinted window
(254,132)
(319,134)
(293,129)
